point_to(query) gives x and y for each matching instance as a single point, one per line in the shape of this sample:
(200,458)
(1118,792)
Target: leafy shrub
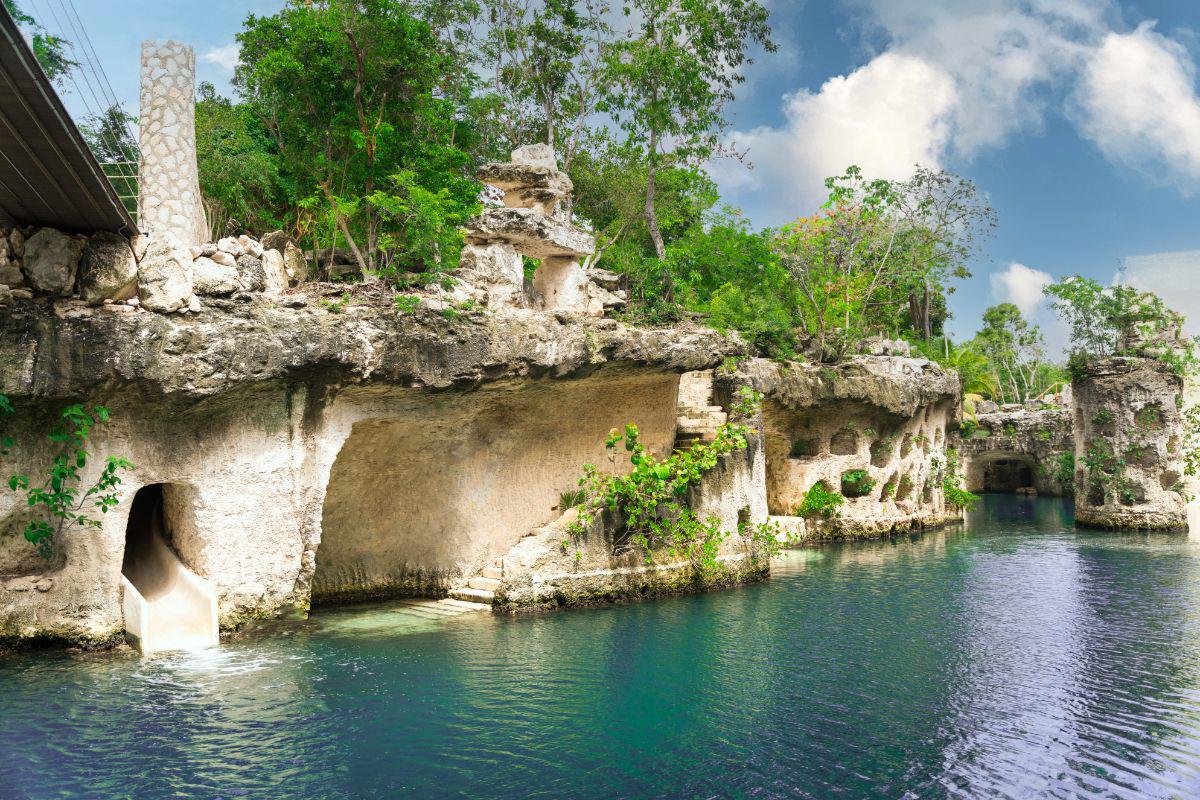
(952,490)
(652,499)
(1064,471)
(58,499)
(820,500)
(857,483)
(407,303)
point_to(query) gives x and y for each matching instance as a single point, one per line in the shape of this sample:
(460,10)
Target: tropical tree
(1016,350)
(666,82)
(844,263)
(51,51)
(942,220)
(544,58)
(349,92)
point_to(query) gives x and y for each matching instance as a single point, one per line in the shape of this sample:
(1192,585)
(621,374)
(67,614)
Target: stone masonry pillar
(169,202)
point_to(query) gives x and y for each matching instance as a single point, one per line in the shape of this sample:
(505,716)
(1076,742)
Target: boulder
(231,246)
(295,263)
(165,277)
(531,233)
(250,245)
(497,269)
(528,186)
(601,300)
(536,155)
(108,270)
(212,278)
(51,261)
(16,243)
(222,257)
(11,275)
(251,273)
(275,240)
(274,271)
(986,407)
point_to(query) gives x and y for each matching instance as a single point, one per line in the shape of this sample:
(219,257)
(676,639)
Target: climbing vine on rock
(652,499)
(58,498)
(952,484)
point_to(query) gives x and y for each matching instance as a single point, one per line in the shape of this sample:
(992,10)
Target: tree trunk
(926,314)
(660,249)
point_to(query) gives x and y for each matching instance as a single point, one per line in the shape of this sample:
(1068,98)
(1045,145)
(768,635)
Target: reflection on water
(1009,657)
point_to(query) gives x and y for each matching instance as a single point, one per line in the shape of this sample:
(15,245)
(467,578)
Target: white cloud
(227,57)
(1021,285)
(1172,276)
(885,117)
(955,79)
(1137,101)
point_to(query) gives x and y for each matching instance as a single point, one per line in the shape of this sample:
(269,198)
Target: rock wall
(169,203)
(881,417)
(554,567)
(1005,451)
(411,444)
(1128,430)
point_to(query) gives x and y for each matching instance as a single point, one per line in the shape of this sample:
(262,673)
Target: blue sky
(1079,119)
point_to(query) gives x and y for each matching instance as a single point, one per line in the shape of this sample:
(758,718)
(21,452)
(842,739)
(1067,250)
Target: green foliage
(49,50)
(407,303)
(667,81)
(1044,435)
(820,500)
(58,499)
(1148,418)
(239,166)
(1103,417)
(1015,350)
(857,483)
(351,94)
(1064,471)
(1103,467)
(952,490)
(967,428)
(1117,321)
(652,500)
(571,498)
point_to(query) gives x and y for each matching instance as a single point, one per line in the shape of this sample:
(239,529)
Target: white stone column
(169,202)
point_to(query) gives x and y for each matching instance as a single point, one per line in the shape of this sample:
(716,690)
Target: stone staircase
(481,589)
(698,419)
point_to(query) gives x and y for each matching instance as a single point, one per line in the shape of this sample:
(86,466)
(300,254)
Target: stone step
(464,605)
(490,584)
(473,595)
(431,606)
(493,572)
(696,425)
(423,613)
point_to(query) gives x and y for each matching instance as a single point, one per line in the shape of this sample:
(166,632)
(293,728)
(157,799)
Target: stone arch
(1000,471)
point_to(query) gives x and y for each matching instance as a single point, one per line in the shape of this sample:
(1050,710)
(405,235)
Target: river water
(1010,657)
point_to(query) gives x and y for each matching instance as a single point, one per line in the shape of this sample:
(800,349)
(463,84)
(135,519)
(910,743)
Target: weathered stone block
(165,277)
(531,233)
(561,285)
(211,278)
(51,261)
(108,270)
(497,269)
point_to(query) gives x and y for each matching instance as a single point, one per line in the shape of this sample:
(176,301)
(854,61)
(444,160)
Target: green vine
(952,490)
(652,499)
(58,499)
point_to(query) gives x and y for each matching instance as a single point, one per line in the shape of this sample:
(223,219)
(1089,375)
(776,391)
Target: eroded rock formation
(1128,430)
(873,429)
(308,453)
(1019,449)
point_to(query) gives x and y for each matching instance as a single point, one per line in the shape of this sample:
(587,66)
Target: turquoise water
(1015,657)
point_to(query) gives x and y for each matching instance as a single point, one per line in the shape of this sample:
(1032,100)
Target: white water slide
(166,605)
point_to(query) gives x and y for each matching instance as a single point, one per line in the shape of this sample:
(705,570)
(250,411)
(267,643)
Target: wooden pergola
(48,175)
